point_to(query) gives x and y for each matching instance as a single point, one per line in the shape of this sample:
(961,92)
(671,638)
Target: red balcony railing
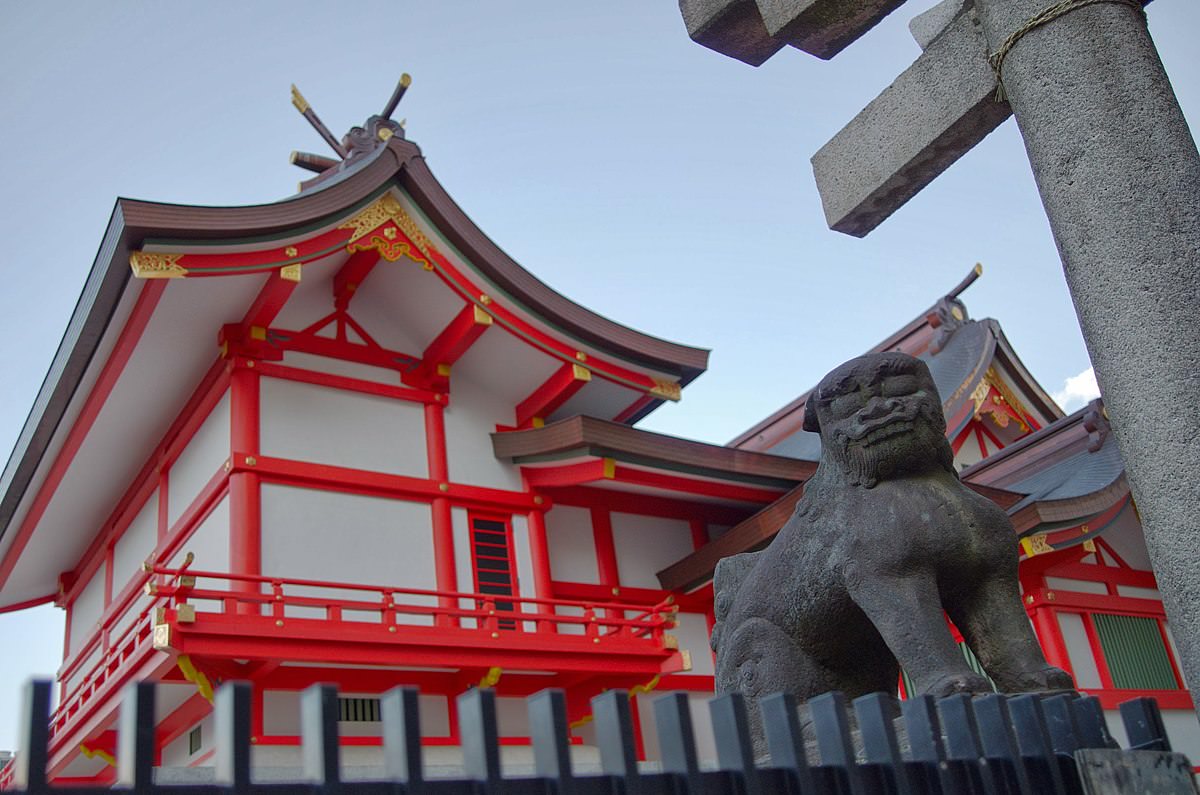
(212,613)
(256,596)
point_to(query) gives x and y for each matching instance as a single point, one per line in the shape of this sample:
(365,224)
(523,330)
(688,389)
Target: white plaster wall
(281,715)
(646,545)
(281,712)
(129,617)
(306,422)
(199,461)
(692,633)
(87,609)
(1139,593)
(135,544)
(175,753)
(209,545)
(324,364)
(1127,540)
(572,545)
(524,572)
(73,681)
(968,454)
(1175,652)
(470,418)
(512,716)
(1079,651)
(463,572)
(1080,586)
(435,715)
(350,538)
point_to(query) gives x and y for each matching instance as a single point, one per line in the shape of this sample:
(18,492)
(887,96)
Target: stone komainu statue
(884,539)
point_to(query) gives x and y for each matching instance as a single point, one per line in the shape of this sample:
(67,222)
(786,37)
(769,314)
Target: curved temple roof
(139,225)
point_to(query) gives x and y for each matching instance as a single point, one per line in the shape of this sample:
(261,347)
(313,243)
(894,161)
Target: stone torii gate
(1119,176)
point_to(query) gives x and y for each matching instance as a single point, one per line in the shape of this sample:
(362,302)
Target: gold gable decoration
(371,224)
(154,265)
(991,379)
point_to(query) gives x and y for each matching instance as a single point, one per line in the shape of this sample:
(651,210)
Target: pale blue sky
(653,180)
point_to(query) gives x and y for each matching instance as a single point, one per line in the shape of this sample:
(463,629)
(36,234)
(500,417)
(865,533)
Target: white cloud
(1077,391)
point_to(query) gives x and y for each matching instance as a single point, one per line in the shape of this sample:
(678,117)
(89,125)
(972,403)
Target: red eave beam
(547,398)
(608,469)
(704,488)
(570,475)
(351,275)
(270,300)
(449,346)
(129,337)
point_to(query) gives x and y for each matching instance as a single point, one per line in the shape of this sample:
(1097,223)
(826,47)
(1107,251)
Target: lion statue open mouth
(884,544)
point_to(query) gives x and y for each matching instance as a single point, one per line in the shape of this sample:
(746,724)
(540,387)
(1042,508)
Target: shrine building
(344,438)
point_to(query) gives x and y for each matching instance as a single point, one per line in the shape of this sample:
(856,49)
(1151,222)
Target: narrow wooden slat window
(358,710)
(492,562)
(1134,650)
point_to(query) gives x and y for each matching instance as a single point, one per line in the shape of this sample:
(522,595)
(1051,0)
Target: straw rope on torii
(1119,176)
(1050,14)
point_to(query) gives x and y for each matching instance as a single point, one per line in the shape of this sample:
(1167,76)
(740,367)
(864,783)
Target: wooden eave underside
(134,223)
(602,438)
(1054,443)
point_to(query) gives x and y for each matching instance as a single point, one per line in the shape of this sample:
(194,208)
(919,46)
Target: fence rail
(991,745)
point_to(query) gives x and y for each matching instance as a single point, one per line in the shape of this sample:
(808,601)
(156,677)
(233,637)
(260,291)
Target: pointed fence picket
(990,745)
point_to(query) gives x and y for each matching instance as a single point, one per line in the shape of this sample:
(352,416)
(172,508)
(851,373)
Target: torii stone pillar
(1119,176)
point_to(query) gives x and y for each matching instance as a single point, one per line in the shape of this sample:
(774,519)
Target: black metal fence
(990,744)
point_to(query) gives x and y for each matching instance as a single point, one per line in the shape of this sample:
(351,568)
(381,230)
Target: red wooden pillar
(245,497)
(1045,623)
(539,554)
(443,527)
(606,550)
(164,485)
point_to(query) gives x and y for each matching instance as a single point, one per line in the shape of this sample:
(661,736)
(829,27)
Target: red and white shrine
(344,438)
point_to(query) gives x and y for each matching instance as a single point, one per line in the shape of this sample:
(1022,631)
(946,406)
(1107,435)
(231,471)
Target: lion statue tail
(727,581)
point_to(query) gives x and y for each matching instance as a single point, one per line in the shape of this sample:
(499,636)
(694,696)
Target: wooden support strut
(449,345)
(551,395)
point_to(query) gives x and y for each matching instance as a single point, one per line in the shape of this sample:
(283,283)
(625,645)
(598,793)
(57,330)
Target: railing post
(277,605)
(33,752)
(614,736)
(232,707)
(1144,725)
(828,712)
(590,629)
(480,737)
(402,738)
(135,737)
(731,733)
(319,735)
(785,740)
(550,735)
(387,611)
(677,741)
(874,713)
(996,735)
(490,623)
(1033,743)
